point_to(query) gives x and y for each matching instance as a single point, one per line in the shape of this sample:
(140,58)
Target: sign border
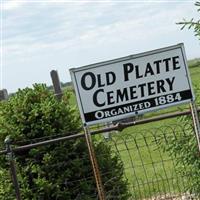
(134,56)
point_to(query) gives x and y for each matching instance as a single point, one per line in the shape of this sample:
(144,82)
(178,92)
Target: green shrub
(60,171)
(183,146)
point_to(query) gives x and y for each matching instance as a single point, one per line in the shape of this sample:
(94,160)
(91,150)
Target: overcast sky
(38,36)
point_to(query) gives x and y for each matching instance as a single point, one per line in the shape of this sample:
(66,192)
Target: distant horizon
(70,81)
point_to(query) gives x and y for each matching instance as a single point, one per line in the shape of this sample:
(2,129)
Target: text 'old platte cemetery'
(132,85)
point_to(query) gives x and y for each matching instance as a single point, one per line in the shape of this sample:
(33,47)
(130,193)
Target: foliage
(192,23)
(183,146)
(59,171)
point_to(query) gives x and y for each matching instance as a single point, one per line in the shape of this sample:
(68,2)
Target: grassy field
(149,170)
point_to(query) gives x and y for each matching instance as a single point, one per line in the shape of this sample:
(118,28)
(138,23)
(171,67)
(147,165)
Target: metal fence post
(10,156)
(94,163)
(195,119)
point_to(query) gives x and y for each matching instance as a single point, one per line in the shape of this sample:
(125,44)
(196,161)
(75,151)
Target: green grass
(144,161)
(148,169)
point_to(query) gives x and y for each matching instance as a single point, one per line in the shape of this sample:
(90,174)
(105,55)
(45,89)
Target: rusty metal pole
(12,167)
(94,162)
(195,119)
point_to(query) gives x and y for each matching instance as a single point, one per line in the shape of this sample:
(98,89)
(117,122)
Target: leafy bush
(183,146)
(59,171)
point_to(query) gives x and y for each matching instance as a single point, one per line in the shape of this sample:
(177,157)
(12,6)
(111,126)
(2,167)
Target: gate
(151,170)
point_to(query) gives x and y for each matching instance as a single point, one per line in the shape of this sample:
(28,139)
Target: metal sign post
(94,164)
(195,119)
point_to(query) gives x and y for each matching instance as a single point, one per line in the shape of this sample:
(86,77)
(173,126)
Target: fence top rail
(117,127)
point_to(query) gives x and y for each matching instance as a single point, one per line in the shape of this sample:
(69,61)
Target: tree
(59,171)
(192,23)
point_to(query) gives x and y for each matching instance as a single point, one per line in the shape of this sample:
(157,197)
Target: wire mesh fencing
(151,170)
(52,171)
(134,164)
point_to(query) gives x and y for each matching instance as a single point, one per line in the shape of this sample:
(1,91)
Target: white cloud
(12,4)
(78,32)
(75,27)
